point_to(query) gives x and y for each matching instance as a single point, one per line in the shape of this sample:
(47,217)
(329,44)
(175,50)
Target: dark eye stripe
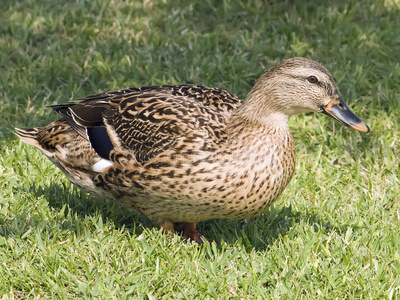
(321,84)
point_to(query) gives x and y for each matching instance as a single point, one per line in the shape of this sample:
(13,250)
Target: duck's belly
(198,197)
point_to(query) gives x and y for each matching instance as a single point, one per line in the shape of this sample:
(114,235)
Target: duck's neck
(267,118)
(243,126)
(266,109)
(259,145)
(262,125)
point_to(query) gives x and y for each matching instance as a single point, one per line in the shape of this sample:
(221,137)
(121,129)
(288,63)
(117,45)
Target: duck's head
(295,86)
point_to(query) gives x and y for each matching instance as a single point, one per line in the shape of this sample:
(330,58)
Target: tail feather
(29,135)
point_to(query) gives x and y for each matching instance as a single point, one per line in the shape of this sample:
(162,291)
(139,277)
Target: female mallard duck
(188,153)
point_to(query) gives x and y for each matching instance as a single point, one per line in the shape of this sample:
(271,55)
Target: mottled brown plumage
(188,153)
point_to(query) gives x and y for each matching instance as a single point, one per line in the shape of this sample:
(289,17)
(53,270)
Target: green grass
(333,234)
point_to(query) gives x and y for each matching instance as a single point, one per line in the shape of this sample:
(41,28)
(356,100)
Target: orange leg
(168,227)
(190,232)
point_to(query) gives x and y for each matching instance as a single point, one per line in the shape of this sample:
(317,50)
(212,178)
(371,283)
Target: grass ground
(333,234)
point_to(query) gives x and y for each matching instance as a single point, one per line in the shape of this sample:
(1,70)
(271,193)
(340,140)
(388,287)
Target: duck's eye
(312,79)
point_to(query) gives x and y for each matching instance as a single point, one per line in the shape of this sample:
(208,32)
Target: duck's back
(136,124)
(151,120)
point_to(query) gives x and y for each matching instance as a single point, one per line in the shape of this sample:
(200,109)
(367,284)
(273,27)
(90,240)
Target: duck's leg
(190,232)
(168,227)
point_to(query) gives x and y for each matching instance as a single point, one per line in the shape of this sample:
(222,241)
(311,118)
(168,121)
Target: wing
(150,120)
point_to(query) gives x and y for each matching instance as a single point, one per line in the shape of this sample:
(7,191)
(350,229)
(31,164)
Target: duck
(190,153)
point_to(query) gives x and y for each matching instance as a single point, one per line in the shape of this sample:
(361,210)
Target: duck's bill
(338,110)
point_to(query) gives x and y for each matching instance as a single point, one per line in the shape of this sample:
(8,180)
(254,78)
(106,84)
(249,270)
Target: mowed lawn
(333,234)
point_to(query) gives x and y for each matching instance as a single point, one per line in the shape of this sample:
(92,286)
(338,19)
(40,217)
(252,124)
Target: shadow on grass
(83,204)
(260,232)
(256,233)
